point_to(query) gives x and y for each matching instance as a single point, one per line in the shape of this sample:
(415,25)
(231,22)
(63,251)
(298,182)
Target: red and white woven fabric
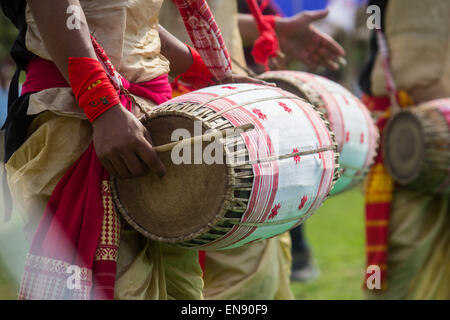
(206,36)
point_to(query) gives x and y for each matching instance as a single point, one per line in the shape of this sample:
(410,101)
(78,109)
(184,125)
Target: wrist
(198,74)
(108,116)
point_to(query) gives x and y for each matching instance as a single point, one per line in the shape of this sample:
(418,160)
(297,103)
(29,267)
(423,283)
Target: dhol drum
(416,147)
(242,188)
(356,133)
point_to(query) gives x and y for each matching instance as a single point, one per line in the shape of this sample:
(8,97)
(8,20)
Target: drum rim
(387,162)
(424,108)
(180,239)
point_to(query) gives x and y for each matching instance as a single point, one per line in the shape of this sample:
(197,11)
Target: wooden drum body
(257,187)
(416,147)
(350,120)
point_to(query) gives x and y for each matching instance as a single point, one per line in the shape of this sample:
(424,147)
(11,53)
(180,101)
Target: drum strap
(378,194)
(380,185)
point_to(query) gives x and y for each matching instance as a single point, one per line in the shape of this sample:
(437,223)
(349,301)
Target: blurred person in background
(5,75)
(408,231)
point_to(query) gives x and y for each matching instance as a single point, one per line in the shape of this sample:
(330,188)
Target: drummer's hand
(235,78)
(300,40)
(124,146)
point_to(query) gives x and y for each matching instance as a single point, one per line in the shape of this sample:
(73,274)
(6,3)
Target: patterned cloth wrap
(206,36)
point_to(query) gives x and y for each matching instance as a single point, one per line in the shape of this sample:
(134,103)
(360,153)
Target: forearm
(175,51)
(249,29)
(60,41)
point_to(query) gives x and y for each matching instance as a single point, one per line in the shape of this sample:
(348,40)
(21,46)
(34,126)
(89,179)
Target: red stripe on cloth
(70,227)
(377,236)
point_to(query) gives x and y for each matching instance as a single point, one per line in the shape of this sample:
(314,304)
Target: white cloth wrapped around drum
(242,188)
(356,133)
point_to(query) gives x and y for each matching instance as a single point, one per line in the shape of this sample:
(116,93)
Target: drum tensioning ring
(404,147)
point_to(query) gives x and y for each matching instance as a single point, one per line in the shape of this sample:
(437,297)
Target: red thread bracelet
(91,86)
(267,44)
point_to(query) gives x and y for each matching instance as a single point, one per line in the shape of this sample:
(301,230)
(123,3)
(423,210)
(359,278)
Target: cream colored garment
(126,29)
(256,271)
(419,247)
(225,12)
(417,32)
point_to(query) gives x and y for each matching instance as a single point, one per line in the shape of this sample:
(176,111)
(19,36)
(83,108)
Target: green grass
(8,287)
(336,235)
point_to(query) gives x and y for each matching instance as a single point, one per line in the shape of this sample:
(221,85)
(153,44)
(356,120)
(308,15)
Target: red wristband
(91,86)
(198,74)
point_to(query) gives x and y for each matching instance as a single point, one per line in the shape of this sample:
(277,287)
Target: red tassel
(267,44)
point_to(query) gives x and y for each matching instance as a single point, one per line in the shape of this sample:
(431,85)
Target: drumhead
(169,208)
(403,147)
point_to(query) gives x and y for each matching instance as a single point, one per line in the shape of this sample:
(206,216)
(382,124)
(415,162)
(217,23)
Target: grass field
(335,232)
(8,287)
(336,235)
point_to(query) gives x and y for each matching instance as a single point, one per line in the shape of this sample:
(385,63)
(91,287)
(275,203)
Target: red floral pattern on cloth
(302,202)
(297,158)
(259,113)
(285,107)
(274,211)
